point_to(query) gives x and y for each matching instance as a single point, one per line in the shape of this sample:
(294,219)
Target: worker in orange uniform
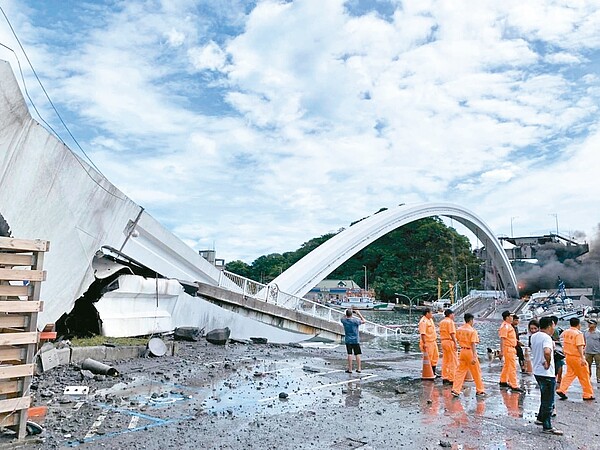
(577,366)
(508,342)
(428,342)
(449,347)
(468,360)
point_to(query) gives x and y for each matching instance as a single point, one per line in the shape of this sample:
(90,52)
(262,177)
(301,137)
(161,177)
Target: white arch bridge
(288,289)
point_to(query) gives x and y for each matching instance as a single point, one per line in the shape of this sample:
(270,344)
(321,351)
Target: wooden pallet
(21,276)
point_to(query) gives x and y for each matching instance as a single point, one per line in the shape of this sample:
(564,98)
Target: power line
(53,107)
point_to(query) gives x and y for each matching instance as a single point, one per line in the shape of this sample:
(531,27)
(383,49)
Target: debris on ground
(192,334)
(220,336)
(96,367)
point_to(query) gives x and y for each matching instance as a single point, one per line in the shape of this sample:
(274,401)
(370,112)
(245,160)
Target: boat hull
(362,303)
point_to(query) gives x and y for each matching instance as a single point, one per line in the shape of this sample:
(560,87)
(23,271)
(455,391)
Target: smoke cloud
(556,260)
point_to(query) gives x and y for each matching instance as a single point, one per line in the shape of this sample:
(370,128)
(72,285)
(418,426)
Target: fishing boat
(366,303)
(361,301)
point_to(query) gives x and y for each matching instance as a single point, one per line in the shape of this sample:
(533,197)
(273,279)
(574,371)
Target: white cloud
(562,58)
(208,57)
(175,38)
(497,176)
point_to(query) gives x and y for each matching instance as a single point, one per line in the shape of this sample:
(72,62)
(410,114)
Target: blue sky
(252,127)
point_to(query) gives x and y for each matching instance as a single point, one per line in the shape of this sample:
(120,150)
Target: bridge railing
(459,305)
(247,287)
(319,310)
(272,294)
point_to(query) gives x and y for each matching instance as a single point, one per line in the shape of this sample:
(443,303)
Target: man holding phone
(352,337)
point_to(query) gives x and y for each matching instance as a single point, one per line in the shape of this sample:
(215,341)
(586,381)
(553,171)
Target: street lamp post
(410,301)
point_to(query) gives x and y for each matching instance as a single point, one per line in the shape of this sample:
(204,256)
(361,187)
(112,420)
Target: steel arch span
(314,267)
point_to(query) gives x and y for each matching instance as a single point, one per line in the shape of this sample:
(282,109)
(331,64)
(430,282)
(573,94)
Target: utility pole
(366,285)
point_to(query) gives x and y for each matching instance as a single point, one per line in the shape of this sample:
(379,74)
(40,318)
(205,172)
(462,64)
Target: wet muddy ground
(252,396)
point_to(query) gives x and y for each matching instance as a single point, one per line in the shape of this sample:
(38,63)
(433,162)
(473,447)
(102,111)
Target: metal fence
(272,294)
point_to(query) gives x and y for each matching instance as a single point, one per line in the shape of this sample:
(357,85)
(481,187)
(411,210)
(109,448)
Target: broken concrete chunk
(49,359)
(220,336)
(259,340)
(188,333)
(86,374)
(46,347)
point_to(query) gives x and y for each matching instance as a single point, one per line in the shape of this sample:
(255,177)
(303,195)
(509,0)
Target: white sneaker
(553,431)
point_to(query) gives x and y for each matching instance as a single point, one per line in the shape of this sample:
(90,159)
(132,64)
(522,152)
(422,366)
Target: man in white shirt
(542,352)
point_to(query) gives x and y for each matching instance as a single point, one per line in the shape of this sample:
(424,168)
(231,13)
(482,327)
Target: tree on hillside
(240,268)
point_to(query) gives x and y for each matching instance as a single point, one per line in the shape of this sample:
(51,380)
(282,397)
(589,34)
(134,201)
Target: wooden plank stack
(21,276)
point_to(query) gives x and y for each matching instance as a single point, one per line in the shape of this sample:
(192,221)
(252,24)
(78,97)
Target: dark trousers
(547,387)
(520,355)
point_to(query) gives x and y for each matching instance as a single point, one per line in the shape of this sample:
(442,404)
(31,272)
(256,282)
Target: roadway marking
(154,422)
(95,426)
(71,411)
(133,422)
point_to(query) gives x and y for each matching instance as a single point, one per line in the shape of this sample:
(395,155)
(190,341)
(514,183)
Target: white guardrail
(272,294)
